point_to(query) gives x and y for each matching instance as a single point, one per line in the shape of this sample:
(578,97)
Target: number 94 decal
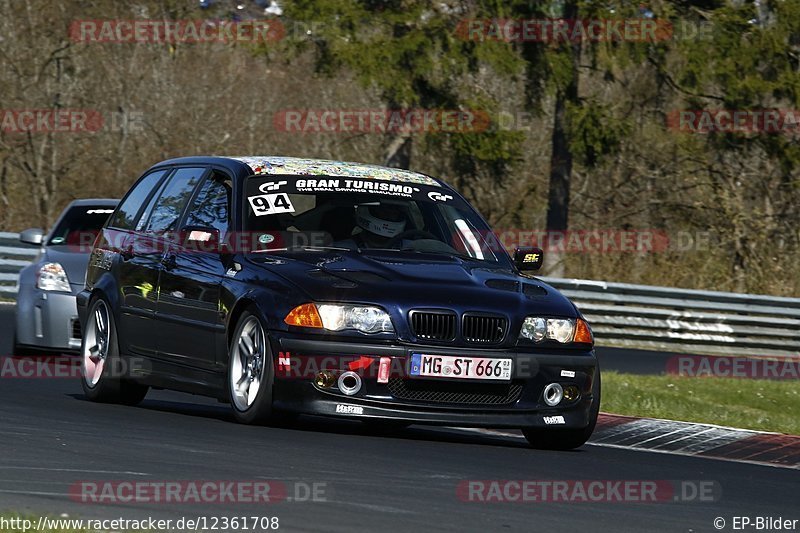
(270,204)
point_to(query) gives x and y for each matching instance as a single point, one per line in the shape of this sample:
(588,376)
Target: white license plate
(456,367)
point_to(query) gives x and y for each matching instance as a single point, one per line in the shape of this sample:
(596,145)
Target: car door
(189,290)
(154,236)
(138,266)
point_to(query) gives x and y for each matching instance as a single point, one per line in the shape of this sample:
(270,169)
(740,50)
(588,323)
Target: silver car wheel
(96,344)
(247,364)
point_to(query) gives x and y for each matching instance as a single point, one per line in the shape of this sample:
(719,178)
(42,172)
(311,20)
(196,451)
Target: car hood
(73,262)
(422,280)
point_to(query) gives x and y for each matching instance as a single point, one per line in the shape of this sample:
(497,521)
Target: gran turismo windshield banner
(279,185)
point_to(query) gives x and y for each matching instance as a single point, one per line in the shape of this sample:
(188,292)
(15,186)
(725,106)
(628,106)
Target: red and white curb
(693,439)
(703,440)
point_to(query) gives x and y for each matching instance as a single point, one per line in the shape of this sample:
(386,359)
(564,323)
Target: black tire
(567,439)
(259,410)
(106,387)
(131,393)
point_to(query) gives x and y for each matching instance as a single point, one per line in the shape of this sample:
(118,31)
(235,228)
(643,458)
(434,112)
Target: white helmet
(384,220)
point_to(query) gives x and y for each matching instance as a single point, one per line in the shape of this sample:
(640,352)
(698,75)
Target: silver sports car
(47,318)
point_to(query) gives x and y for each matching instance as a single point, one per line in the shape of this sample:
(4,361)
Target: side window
(211,207)
(174,196)
(127,213)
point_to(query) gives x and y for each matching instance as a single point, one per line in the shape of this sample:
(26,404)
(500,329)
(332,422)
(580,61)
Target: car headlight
(338,317)
(563,330)
(51,277)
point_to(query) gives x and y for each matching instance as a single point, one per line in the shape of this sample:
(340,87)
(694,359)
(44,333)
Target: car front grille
(75,330)
(484,329)
(448,392)
(434,325)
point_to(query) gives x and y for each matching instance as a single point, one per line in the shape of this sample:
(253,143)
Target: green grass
(743,403)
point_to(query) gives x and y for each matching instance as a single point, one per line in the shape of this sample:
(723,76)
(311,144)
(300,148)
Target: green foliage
(742,403)
(595,131)
(745,61)
(409,50)
(412,53)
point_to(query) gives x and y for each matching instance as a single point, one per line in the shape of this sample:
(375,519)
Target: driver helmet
(383,219)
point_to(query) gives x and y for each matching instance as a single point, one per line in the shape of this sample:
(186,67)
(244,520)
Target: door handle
(126,253)
(169,261)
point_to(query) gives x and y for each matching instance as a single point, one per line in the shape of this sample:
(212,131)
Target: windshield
(310,213)
(80,225)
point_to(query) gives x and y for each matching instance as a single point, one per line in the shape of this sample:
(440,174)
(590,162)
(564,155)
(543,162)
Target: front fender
(263,301)
(104,285)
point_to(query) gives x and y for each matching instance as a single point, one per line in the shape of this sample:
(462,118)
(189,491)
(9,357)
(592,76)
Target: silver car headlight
(364,318)
(538,329)
(52,277)
(337,317)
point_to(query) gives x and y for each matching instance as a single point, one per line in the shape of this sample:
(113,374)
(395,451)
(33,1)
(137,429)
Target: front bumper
(518,404)
(48,319)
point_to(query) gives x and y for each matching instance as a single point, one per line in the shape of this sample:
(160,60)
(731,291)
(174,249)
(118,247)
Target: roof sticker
(279,166)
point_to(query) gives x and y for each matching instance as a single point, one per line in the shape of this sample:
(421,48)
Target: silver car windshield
(79,225)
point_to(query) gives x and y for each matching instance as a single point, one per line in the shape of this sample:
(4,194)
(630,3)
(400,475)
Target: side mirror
(200,239)
(32,236)
(528,258)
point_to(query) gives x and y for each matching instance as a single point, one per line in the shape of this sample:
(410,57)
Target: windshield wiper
(339,248)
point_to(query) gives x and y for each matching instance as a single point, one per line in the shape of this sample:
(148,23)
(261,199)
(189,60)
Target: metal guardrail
(690,321)
(621,314)
(14,256)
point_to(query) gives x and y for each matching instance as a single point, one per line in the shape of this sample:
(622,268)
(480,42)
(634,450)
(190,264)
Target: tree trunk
(561,156)
(398,153)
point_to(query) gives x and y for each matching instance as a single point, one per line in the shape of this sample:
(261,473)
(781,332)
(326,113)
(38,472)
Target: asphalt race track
(52,438)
